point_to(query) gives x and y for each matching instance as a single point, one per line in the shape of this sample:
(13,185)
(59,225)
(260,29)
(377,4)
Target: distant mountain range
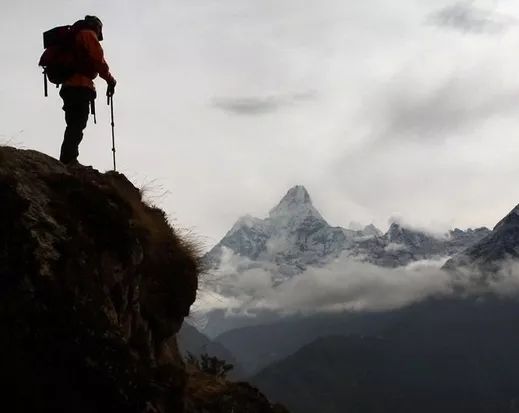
(449,354)
(446,356)
(257,346)
(192,342)
(488,254)
(452,353)
(295,236)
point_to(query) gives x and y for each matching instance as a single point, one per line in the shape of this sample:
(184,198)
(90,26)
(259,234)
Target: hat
(95,22)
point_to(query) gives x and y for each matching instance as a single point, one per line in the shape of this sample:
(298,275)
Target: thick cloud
(465,17)
(343,285)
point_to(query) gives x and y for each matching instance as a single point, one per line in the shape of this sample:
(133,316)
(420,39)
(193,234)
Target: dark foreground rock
(94,285)
(209,394)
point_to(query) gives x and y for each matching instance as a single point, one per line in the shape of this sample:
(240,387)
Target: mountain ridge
(489,253)
(295,236)
(418,361)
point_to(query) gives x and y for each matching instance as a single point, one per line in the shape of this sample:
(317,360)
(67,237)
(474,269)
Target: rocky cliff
(94,285)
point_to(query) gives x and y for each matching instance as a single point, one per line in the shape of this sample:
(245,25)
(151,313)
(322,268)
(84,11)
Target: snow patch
(395,247)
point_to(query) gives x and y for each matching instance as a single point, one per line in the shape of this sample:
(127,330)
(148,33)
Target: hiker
(78,91)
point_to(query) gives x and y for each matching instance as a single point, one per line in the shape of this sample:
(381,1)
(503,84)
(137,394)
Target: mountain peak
(395,226)
(372,230)
(296,202)
(512,219)
(297,195)
(246,221)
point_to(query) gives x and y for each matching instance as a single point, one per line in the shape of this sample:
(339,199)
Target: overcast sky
(381,109)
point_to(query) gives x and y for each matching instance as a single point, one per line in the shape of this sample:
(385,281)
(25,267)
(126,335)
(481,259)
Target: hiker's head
(95,24)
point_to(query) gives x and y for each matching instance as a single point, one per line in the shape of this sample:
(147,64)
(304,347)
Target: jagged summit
(510,220)
(371,230)
(395,231)
(494,249)
(292,235)
(246,221)
(296,203)
(295,196)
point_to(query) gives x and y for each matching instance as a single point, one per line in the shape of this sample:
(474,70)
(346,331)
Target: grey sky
(379,109)
(256,105)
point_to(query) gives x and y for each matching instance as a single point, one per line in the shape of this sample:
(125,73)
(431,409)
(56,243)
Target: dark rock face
(94,285)
(498,246)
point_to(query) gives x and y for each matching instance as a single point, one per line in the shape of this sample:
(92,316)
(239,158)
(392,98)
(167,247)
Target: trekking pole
(93,110)
(110,101)
(45,84)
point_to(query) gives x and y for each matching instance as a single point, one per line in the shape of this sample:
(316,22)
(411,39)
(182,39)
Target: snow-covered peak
(511,220)
(395,231)
(295,237)
(247,221)
(296,203)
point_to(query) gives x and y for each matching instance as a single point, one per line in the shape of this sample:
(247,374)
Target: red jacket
(90,56)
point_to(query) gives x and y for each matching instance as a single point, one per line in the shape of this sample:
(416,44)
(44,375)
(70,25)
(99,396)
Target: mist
(244,288)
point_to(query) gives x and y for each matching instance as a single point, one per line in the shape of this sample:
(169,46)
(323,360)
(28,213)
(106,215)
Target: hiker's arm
(96,55)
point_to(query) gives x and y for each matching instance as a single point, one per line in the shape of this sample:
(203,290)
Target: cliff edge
(94,285)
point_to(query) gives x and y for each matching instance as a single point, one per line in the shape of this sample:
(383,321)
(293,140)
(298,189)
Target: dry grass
(152,220)
(171,264)
(204,388)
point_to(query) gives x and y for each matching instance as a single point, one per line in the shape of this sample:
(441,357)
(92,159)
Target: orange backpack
(58,60)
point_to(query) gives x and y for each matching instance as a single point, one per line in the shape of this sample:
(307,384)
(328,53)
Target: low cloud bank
(245,288)
(240,286)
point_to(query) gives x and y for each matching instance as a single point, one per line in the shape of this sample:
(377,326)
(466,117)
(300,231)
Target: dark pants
(76,104)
